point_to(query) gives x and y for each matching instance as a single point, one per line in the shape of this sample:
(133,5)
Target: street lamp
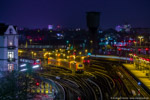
(30,41)
(140,37)
(68,52)
(91,41)
(44,50)
(20,52)
(80,53)
(86,50)
(56,50)
(32,53)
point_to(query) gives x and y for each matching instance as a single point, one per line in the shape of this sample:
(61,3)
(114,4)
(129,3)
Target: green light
(67,41)
(71,48)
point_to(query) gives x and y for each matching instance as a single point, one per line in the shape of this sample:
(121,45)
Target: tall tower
(93,19)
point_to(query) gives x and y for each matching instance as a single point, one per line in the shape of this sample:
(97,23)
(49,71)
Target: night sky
(72,13)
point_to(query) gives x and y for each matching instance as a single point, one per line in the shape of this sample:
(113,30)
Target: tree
(13,86)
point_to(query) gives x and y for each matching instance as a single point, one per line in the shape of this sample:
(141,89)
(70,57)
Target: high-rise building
(8,48)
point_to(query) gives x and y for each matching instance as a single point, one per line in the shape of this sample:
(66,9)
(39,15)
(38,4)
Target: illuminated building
(8,48)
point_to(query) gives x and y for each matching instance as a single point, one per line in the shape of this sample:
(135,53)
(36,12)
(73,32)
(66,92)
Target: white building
(8,48)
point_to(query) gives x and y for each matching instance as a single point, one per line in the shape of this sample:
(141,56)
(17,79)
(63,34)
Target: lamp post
(32,53)
(91,45)
(80,53)
(140,37)
(86,51)
(30,41)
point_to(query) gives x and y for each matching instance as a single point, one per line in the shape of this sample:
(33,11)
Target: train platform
(139,74)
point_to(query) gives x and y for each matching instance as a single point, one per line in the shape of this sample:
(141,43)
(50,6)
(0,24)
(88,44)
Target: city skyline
(72,14)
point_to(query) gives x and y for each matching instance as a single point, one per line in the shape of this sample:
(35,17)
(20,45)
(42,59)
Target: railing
(42,46)
(11,47)
(11,59)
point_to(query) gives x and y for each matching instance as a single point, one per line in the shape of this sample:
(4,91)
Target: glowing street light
(30,41)
(68,52)
(44,50)
(80,53)
(140,37)
(56,54)
(86,50)
(56,50)
(91,41)
(34,54)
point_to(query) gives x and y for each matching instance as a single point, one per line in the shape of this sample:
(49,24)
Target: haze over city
(72,13)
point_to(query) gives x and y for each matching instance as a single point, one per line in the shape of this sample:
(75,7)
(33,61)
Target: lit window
(10,67)
(10,55)
(10,43)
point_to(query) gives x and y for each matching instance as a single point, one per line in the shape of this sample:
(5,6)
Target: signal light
(84,61)
(119,49)
(74,53)
(129,41)
(147,59)
(139,49)
(146,49)
(88,61)
(37,83)
(79,98)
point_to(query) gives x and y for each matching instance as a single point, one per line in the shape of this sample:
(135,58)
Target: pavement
(139,74)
